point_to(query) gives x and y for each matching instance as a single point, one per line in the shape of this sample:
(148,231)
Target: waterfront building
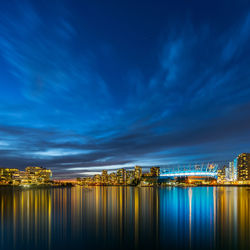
(138,172)
(6,174)
(38,174)
(97,179)
(84,181)
(231,174)
(112,179)
(227,174)
(22,178)
(79,181)
(243,167)
(31,175)
(104,177)
(130,177)
(222,174)
(121,176)
(191,174)
(88,181)
(151,178)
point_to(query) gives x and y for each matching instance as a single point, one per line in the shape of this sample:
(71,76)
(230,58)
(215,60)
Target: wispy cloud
(43,60)
(69,108)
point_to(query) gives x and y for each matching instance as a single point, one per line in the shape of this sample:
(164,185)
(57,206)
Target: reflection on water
(125,217)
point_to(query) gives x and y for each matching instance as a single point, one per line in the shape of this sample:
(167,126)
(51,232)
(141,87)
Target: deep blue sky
(86,85)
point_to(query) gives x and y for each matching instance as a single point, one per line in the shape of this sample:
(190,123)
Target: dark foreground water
(125,218)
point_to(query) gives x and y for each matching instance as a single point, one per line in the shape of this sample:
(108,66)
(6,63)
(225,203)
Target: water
(125,218)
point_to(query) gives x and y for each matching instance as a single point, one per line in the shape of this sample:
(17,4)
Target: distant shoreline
(71,186)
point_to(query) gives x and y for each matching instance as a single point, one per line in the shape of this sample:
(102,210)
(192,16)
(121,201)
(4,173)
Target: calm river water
(125,218)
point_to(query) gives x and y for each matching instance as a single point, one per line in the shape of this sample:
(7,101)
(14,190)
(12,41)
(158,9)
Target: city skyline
(91,86)
(236,172)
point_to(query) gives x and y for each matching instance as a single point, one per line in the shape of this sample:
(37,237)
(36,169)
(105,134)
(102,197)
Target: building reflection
(125,217)
(25,218)
(114,216)
(216,216)
(233,210)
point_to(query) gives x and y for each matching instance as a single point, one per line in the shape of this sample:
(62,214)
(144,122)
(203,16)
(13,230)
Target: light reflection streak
(2,222)
(214,215)
(190,216)
(136,217)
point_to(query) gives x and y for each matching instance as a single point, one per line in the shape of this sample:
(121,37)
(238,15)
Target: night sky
(91,85)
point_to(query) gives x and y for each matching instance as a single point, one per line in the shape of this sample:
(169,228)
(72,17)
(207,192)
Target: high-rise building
(121,176)
(231,173)
(138,172)
(97,179)
(130,177)
(222,174)
(104,176)
(112,179)
(243,167)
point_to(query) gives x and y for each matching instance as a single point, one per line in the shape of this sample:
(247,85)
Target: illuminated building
(104,177)
(84,181)
(79,181)
(191,175)
(204,171)
(22,177)
(243,167)
(88,181)
(97,179)
(227,174)
(222,174)
(155,171)
(231,173)
(112,179)
(151,178)
(130,177)
(31,175)
(39,174)
(138,172)
(6,174)
(121,176)
(235,170)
